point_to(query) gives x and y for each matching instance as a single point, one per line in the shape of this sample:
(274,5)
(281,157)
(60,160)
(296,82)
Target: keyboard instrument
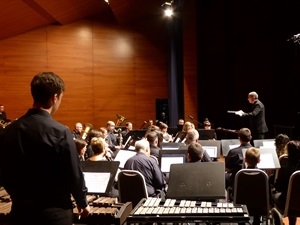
(172,210)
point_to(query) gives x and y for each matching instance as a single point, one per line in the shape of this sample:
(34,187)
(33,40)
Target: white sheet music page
(96,182)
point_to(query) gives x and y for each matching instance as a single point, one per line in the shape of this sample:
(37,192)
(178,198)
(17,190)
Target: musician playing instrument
(77,130)
(111,138)
(3,116)
(39,163)
(155,180)
(128,128)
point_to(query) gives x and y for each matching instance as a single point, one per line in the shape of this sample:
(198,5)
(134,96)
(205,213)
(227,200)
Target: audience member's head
(244,135)
(195,152)
(252,157)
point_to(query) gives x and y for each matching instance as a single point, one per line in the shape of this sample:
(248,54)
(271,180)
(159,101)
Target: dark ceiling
(19,16)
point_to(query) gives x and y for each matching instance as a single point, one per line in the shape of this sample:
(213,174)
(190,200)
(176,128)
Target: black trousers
(37,216)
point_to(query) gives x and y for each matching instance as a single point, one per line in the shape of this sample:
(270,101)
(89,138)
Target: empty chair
(131,186)
(251,188)
(292,204)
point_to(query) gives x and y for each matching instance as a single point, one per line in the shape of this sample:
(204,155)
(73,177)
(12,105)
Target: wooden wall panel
(107,69)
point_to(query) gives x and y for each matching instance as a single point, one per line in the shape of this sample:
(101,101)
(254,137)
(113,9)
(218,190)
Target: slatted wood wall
(107,69)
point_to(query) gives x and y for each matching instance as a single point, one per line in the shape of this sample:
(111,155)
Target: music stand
(264,142)
(205,134)
(212,147)
(99,176)
(268,158)
(171,145)
(197,181)
(228,144)
(180,136)
(168,157)
(123,155)
(172,131)
(136,134)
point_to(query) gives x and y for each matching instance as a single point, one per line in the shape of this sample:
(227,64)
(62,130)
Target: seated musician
(164,129)
(234,159)
(142,162)
(152,138)
(207,126)
(192,136)
(195,153)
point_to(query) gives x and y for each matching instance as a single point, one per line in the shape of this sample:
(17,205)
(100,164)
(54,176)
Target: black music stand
(99,176)
(168,157)
(180,136)
(135,134)
(228,144)
(212,147)
(197,181)
(171,145)
(205,134)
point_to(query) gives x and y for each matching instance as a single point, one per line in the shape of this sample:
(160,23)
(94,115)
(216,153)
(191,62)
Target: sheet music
(167,161)
(96,182)
(233,146)
(211,151)
(269,144)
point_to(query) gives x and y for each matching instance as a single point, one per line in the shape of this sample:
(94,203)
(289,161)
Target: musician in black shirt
(39,164)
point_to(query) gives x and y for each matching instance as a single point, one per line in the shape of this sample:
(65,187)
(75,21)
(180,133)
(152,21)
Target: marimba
(104,210)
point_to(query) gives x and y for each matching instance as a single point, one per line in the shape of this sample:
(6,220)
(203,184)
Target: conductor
(258,124)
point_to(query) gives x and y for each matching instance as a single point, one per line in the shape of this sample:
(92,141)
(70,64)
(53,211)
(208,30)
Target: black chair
(292,204)
(251,188)
(131,186)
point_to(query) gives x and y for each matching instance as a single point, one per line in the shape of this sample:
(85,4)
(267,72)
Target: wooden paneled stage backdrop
(108,70)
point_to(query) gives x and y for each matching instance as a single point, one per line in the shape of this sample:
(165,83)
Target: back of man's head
(244,135)
(195,152)
(142,145)
(192,136)
(152,136)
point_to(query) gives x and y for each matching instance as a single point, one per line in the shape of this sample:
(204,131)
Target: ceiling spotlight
(107,1)
(168,8)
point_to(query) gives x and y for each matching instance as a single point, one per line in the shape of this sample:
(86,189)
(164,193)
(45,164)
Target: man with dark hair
(195,152)
(39,164)
(234,158)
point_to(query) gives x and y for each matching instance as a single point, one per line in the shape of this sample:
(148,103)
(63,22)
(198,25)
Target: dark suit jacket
(257,118)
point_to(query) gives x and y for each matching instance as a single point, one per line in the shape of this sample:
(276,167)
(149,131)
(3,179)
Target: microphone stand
(201,124)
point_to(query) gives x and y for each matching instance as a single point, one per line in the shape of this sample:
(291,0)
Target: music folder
(99,176)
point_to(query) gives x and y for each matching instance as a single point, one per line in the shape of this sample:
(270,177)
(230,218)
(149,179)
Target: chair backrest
(282,161)
(292,204)
(251,187)
(131,186)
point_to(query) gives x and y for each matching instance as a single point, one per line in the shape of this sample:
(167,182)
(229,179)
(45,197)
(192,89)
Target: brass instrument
(4,123)
(144,123)
(87,128)
(120,120)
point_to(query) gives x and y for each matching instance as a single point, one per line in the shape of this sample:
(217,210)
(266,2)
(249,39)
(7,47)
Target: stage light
(168,8)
